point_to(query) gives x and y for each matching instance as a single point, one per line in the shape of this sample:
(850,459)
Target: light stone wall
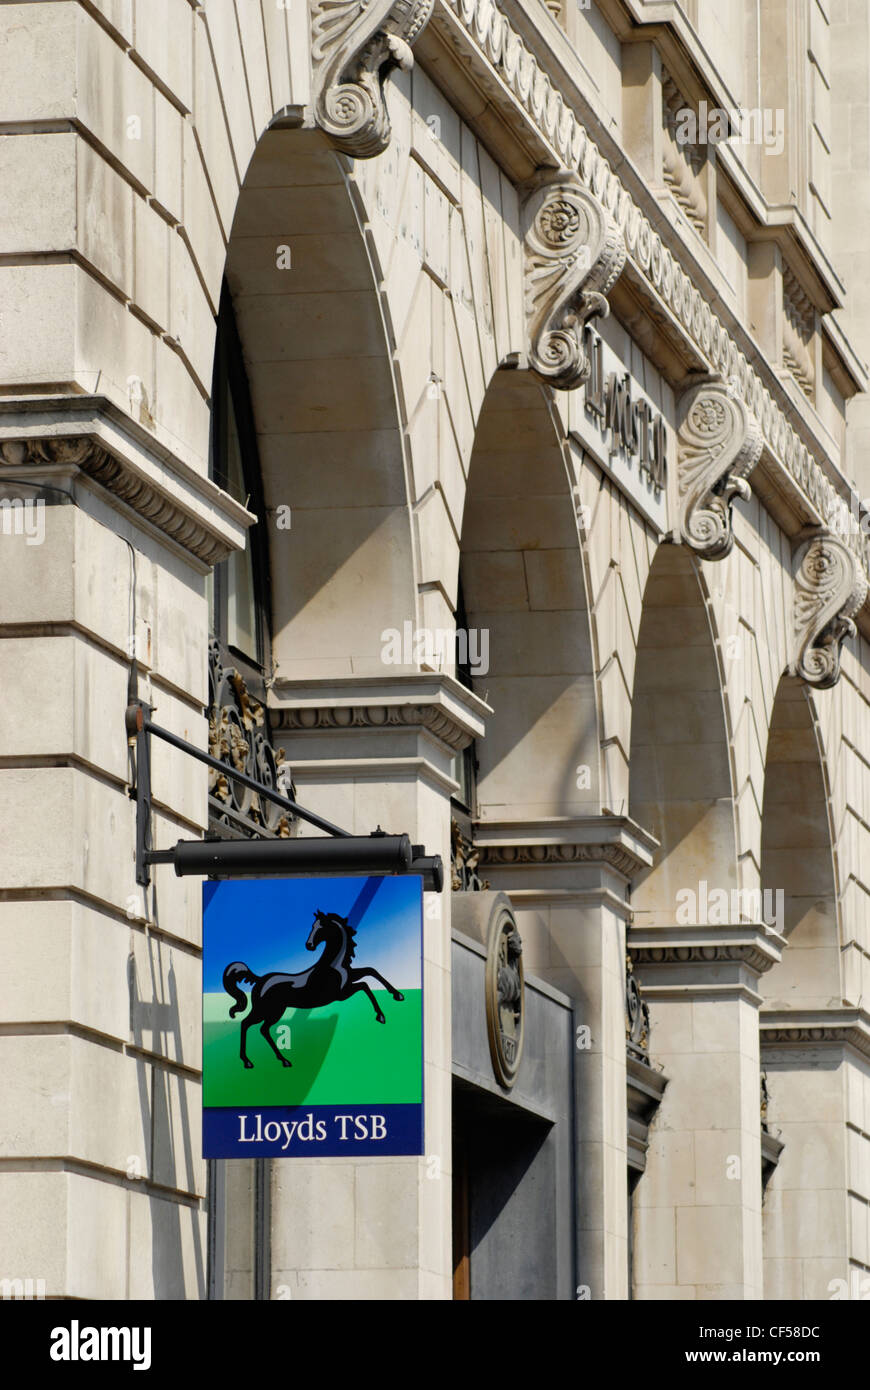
(128,134)
(101,1038)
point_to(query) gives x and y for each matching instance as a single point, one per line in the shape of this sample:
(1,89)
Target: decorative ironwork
(464,861)
(238,735)
(636,1016)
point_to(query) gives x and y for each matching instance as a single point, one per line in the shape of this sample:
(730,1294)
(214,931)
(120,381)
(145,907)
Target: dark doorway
(504,1199)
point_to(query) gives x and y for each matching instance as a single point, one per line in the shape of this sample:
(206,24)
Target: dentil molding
(719,442)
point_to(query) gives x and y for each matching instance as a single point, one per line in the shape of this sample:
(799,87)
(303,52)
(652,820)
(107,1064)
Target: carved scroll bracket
(355,46)
(829,588)
(573,254)
(719,442)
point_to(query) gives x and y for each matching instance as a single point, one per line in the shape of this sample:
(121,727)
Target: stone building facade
(323,323)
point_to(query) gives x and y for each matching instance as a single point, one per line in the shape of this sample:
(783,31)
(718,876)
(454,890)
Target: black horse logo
(330,979)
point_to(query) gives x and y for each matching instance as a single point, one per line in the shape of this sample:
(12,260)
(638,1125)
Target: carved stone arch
(326,411)
(829,588)
(798,860)
(573,253)
(719,442)
(681,762)
(524,581)
(806,1026)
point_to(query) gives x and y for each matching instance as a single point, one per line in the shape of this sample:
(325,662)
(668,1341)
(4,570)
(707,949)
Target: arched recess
(806,1068)
(797,861)
(523,583)
(681,783)
(326,413)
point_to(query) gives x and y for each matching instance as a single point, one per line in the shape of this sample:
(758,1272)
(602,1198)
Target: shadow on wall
(172,1134)
(523,582)
(680,769)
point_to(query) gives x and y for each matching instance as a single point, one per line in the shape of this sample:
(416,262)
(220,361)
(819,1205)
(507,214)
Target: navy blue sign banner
(307,1056)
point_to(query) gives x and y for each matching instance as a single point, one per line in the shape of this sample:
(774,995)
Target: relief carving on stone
(829,588)
(505,998)
(355,46)
(719,442)
(573,254)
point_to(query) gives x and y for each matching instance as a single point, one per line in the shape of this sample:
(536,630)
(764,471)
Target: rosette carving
(719,443)
(355,46)
(829,588)
(573,253)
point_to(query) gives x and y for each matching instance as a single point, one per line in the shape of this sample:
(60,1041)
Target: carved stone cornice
(573,253)
(355,45)
(829,588)
(381,718)
(719,443)
(665,955)
(617,856)
(614,841)
(819,1028)
(746,952)
(434,704)
(120,476)
(509,83)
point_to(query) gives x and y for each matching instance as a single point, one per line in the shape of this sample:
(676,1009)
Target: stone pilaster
(698,1205)
(368,752)
(567,880)
(815,1211)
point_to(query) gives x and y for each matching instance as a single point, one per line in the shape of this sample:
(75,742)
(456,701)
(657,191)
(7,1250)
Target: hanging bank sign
(312,1017)
(624,431)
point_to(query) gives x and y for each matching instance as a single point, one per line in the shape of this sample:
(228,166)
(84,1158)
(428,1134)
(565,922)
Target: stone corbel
(719,442)
(573,254)
(829,588)
(355,46)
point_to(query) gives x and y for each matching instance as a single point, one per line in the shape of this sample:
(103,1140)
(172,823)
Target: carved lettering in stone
(573,253)
(829,588)
(719,442)
(355,46)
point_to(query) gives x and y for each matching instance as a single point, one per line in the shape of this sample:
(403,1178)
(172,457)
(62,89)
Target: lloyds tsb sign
(633,425)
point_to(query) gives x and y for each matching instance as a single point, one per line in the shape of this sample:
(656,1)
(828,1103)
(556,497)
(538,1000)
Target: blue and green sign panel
(312,1017)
